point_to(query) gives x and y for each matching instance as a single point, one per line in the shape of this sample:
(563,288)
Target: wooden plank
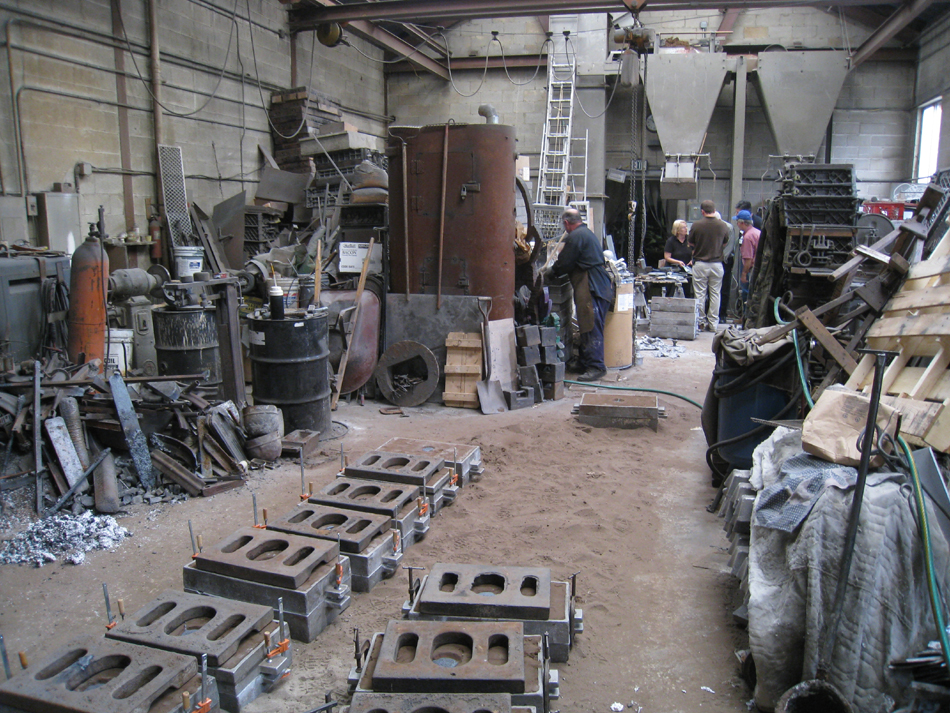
(919,299)
(938,435)
(924,325)
(929,268)
(831,345)
(917,417)
(473,369)
(667,331)
(673,304)
(673,318)
(909,378)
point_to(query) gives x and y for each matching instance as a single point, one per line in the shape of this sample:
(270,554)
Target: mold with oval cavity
(358,526)
(329,521)
(135,683)
(529,586)
(448,582)
(395,463)
(61,664)
(421,465)
(337,489)
(226,627)
(364,492)
(452,649)
(498,649)
(406,647)
(488,584)
(190,620)
(392,495)
(98,673)
(301,516)
(298,556)
(155,614)
(267,550)
(236,544)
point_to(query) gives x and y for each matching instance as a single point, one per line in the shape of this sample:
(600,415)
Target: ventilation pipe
(488,111)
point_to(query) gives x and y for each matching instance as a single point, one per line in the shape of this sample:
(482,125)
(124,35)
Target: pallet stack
(302,109)
(673,318)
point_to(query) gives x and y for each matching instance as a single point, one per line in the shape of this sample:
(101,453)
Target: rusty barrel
(290,368)
(186,342)
(476,219)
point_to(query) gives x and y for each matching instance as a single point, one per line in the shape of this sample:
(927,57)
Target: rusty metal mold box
(487,592)
(451,657)
(351,528)
(447,702)
(308,610)
(439,484)
(194,625)
(94,674)
(378,562)
(267,557)
(410,512)
(564,623)
(395,467)
(465,459)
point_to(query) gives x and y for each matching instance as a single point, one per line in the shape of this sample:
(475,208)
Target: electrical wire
(924,524)
(260,90)
(577,98)
(636,388)
(385,61)
(798,357)
(448,64)
(145,83)
(55,299)
(504,62)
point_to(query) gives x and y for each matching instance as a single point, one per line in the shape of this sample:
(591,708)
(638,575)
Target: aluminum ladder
(554,171)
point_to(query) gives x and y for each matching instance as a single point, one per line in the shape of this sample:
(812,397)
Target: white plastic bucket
(120,350)
(188,260)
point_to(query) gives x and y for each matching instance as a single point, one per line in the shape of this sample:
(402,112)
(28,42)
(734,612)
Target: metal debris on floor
(63,535)
(661,348)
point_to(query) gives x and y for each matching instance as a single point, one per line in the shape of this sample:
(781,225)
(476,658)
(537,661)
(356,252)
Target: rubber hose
(635,388)
(742,383)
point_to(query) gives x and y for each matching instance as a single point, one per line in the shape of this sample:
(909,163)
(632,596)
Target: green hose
(798,357)
(635,388)
(928,553)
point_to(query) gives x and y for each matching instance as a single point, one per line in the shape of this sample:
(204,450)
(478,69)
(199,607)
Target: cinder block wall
(64,84)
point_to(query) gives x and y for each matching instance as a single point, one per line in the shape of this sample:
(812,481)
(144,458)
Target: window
(928,141)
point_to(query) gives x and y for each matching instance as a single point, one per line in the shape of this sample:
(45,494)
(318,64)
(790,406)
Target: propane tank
(88,285)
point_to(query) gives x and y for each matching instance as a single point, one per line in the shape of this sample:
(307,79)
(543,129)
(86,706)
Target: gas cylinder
(88,286)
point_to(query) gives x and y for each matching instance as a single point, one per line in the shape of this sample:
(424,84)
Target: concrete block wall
(216,84)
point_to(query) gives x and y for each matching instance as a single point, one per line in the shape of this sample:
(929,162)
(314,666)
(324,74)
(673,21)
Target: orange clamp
(396,538)
(110,625)
(339,573)
(279,649)
(454,479)
(204,706)
(423,506)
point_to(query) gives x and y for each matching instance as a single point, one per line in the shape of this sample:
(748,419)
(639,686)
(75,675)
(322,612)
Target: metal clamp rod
(82,479)
(3,654)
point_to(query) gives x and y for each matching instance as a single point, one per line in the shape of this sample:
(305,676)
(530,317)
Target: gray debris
(63,535)
(659,347)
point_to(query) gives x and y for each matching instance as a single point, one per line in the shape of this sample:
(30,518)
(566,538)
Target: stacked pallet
(673,318)
(298,113)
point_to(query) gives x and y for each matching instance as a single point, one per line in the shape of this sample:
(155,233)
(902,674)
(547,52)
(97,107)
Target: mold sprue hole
(364,493)
(98,673)
(498,649)
(267,550)
(329,521)
(449,582)
(393,463)
(60,664)
(529,586)
(452,649)
(488,584)
(156,614)
(190,621)
(301,516)
(406,648)
(236,544)
(298,556)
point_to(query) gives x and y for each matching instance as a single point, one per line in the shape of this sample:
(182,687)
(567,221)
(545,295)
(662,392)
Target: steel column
(738,133)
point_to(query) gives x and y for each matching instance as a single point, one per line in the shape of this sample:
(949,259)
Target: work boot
(592,375)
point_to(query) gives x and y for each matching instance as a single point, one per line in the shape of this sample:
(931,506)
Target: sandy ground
(625,508)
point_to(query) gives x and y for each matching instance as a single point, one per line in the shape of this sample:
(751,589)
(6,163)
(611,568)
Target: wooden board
(463,369)
(673,304)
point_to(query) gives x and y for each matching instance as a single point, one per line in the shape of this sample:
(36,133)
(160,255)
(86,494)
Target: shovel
(491,398)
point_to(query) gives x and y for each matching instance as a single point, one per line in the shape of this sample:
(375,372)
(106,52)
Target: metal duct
(799,91)
(488,111)
(682,90)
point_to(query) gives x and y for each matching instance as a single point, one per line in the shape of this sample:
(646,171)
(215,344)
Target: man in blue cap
(748,244)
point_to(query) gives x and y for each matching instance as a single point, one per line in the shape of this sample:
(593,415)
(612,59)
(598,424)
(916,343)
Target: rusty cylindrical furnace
(468,219)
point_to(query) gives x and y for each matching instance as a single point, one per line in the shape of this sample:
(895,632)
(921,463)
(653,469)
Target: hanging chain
(634,154)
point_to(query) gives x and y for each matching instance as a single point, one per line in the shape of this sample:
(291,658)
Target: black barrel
(186,342)
(290,368)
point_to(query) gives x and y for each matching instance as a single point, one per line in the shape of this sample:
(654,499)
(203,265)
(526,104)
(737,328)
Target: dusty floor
(625,508)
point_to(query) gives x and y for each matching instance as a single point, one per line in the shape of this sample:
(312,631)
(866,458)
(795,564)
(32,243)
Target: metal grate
(172,171)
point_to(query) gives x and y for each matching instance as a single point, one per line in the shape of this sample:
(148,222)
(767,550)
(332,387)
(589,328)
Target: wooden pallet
(673,317)
(916,324)
(463,369)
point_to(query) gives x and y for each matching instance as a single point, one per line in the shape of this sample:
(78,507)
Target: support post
(738,133)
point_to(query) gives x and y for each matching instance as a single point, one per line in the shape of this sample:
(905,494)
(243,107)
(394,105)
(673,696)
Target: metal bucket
(290,369)
(262,419)
(186,342)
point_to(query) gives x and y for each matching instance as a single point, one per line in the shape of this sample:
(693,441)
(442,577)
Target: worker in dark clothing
(582,259)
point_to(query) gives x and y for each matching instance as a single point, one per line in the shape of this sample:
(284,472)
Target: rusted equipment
(362,344)
(395,467)
(479,207)
(407,373)
(186,341)
(352,529)
(88,286)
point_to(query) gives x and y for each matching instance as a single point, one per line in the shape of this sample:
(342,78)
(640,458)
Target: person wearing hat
(748,244)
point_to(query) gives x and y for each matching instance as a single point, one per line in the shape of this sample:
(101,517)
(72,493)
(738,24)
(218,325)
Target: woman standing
(678,252)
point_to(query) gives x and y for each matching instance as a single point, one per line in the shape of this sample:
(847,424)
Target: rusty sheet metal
(477,254)
(451,657)
(487,592)
(65,449)
(369,496)
(364,342)
(351,528)
(268,557)
(134,438)
(95,675)
(395,467)
(177,473)
(365,702)
(193,624)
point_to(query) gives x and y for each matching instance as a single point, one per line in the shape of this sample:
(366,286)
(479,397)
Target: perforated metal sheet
(172,170)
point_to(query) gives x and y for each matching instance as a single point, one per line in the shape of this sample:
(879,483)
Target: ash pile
(85,440)
(63,535)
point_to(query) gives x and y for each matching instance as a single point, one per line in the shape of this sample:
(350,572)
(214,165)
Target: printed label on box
(352,256)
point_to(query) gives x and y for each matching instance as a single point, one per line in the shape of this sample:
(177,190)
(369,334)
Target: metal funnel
(682,90)
(799,91)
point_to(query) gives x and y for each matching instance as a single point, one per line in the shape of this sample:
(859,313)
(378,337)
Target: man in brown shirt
(708,237)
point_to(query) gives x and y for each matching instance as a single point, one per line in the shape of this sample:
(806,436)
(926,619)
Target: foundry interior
(398,356)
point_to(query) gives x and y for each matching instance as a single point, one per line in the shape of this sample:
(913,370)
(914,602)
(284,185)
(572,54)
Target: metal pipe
(405,208)
(17,139)
(82,479)
(445,172)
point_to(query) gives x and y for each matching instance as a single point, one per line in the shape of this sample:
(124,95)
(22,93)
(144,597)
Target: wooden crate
(463,369)
(916,324)
(673,317)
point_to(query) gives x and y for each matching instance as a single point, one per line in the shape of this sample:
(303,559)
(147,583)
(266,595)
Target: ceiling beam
(870,18)
(305,16)
(463,64)
(888,29)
